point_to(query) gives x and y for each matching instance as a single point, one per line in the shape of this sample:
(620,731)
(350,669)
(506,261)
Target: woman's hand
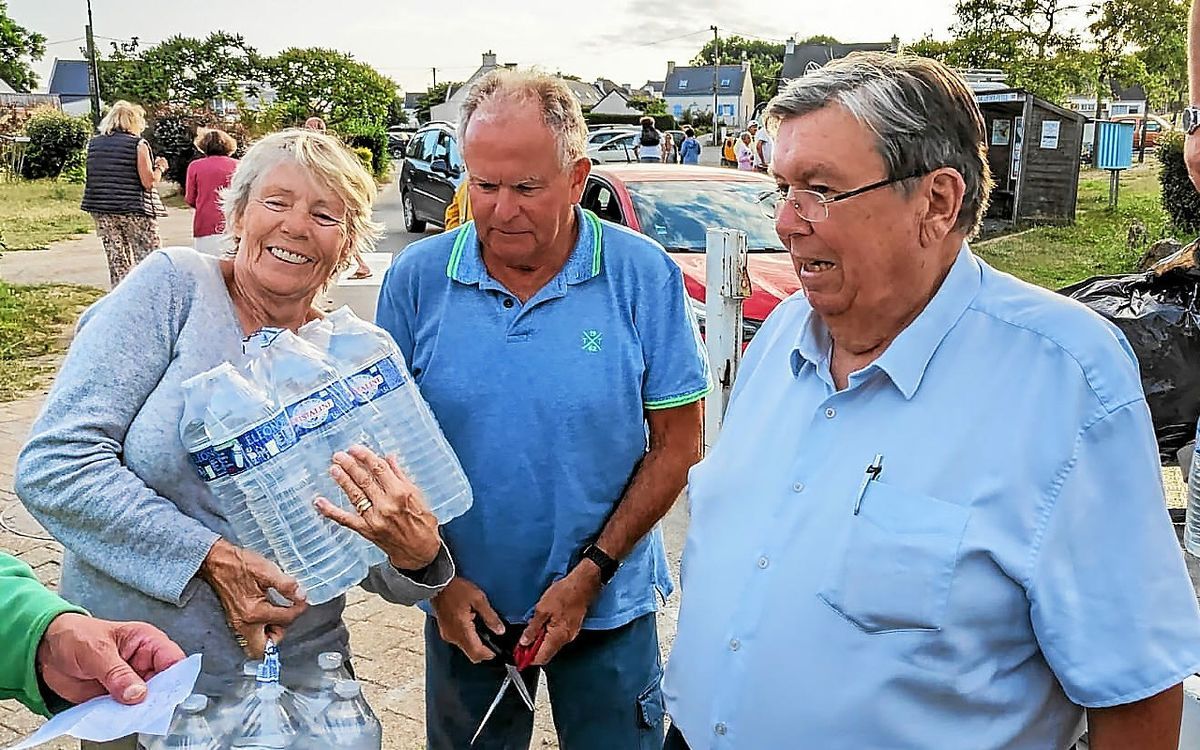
(391,513)
(240,578)
(160,164)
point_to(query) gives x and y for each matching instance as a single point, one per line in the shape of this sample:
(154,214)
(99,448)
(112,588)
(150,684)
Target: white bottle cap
(329,661)
(347,689)
(194,704)
(250,668)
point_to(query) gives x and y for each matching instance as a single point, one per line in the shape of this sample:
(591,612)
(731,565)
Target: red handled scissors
(516,659)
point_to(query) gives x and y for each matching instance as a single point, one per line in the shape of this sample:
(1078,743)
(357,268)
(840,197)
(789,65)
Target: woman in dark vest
(120,188)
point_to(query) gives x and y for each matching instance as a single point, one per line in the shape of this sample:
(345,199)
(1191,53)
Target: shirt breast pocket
(898,561)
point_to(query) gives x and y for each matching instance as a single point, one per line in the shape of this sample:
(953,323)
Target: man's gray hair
(559,107)
(923,115)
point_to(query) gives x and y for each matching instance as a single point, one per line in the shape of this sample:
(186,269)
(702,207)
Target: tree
(766,61)
(1143,41)
(181,71)
(396,113)
(433,96)
(19,49)
(331,84)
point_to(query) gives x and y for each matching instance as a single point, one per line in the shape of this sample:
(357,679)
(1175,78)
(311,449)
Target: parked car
(1156,128)
(618,148)
(432,170)
(676,205)
(597,137)
(398,137)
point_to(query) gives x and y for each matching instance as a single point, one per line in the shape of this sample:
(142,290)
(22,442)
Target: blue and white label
(377,380)
(208,464)
(257,445)
(319,409)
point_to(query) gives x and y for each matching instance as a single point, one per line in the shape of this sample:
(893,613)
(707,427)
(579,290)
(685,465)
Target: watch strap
(607,565)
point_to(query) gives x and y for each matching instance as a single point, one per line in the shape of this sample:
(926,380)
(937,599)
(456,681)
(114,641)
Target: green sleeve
(28,608)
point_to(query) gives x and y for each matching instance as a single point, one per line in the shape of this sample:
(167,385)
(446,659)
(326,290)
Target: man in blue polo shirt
(934,517)
(559,355)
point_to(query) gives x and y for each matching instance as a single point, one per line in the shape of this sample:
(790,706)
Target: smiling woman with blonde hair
(106,472)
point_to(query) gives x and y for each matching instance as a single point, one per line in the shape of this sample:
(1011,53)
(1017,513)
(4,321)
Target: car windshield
(678,214)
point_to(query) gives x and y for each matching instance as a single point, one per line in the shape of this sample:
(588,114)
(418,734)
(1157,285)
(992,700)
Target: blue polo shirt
(1012,562)
(544,402)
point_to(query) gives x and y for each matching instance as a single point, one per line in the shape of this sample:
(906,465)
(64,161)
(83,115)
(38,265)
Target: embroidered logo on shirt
(592,340)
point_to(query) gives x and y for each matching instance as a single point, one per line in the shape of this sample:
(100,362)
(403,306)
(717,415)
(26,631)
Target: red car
(676,205)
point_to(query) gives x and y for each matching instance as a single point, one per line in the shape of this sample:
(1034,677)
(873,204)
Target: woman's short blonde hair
(125,117)
(329,162)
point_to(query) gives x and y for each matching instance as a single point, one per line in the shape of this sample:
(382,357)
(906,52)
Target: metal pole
(1114,188)
(726,284)
(434,77)
(94,70)
(716,77)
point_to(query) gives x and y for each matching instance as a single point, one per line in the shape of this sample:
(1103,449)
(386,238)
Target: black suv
(432,170)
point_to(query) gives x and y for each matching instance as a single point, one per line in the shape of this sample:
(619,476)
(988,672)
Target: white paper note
(103,719)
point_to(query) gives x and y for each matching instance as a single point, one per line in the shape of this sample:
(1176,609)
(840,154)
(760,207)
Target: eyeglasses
(812,206)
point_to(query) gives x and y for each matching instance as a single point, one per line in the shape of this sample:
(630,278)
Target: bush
(364,155)
(1179,196)
(54,137)
(171,130)
(662,122)
(360,134)
(75,168)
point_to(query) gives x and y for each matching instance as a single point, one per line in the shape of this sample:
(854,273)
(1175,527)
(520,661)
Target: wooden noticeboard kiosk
(1034,150)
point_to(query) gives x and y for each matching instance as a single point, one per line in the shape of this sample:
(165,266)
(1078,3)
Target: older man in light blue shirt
(934,517)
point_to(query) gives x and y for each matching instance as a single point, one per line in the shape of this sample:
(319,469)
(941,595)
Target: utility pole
(434,77)
(716,81)
(93,70)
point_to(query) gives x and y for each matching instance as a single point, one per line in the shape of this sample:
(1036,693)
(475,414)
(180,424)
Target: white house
(448,110)
(616,103)
(691,87)
(1123,101)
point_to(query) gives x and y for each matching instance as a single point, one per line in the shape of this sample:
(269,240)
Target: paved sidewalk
(386,639)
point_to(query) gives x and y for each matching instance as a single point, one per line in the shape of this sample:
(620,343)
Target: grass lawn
(1096,244)
(32,318)
(35,213)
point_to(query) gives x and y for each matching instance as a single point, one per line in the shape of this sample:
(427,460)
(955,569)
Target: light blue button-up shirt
(544,402)
(1012,561)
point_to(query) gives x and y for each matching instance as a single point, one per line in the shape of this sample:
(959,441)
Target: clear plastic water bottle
(224,718)
(1191,528)
(316,693)
(393,410)
(214,468)
(245,424)
(189,729)
(348,722)
(266,718)
(320,409)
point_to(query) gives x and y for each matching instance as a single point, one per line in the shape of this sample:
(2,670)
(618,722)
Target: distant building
(799,59)
(691,87)
(69,80)
(5,88)
(448,110)
(654,88)
(615,103)
(1122,100)
(254,97)
(606,87)
(587,94)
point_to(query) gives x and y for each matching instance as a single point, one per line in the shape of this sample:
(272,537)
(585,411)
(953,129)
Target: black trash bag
(1157,311)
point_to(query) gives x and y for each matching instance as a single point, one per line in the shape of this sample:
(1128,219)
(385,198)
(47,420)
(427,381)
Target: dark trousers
(675,740)
(604,693)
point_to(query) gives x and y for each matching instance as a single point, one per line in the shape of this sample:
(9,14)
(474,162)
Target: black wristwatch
(607,565)
(1190,119)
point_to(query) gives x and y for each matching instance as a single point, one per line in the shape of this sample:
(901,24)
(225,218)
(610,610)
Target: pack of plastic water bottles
(326,711)
(262,434)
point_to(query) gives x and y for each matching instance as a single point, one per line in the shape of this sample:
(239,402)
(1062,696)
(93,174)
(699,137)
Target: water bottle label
(257,445)
(268,670)
(377,380)
(209,464)
(324,407)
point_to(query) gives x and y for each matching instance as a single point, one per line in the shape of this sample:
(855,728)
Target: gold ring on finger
(363,505)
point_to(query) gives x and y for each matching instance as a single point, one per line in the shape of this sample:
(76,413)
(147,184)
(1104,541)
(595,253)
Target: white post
(726,285)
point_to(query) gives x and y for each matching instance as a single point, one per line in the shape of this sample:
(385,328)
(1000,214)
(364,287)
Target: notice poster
(1001,132)
(1050,133)
(1018,140)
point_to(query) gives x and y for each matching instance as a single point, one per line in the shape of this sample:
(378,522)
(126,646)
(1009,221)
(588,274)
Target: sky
(628,41)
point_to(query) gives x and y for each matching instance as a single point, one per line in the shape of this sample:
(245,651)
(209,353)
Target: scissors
(516,658)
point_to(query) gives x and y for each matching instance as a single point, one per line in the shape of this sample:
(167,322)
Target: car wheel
(411,222)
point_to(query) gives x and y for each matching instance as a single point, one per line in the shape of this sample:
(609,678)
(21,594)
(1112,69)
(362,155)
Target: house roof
(688,80)
(5,88)
(806,55)
(587,94)
(412,99)
(1135,93)
(656,85)
(69,78)
(605,85)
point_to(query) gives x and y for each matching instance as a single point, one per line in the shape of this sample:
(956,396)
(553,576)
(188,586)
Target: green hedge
(54,139)
(361,134)
(662,122)
(172,131)
(1179,196)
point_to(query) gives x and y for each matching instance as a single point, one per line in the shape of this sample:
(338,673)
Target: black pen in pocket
(874,469)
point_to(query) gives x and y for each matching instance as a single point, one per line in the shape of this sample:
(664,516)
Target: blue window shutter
(678,110)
